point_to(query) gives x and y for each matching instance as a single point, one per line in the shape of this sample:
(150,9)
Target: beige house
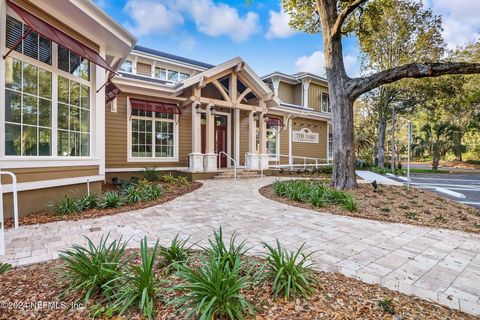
(84,105)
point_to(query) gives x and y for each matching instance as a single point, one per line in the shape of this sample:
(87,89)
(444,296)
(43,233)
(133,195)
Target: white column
(262,134)
(196,157)
(236,130)
(252,156)
(98,146)
(290,146)
(210,158)
(305,86)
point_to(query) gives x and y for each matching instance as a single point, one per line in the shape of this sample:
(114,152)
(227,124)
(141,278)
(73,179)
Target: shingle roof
(173,57)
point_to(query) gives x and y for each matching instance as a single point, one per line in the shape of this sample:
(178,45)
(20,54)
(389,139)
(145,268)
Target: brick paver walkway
(439,265)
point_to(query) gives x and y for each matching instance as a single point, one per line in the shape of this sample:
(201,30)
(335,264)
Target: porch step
(241,174)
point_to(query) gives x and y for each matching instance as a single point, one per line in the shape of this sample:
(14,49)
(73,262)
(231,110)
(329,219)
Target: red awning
(111,91)
(48,31)
(154,106)
(275,122)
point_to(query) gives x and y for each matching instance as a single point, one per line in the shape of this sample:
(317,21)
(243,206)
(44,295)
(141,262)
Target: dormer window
(127,66)
(170,75)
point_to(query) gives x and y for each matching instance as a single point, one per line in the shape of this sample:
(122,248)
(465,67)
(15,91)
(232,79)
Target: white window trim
(131,158)
(277,146)
(329,108)
(167,71)
(120,69)
(64,160)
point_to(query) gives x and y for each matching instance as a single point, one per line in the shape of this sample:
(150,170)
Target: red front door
(220,137)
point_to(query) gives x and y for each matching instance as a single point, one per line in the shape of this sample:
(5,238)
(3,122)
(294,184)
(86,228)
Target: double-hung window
(153,135)
(127,66)
(47,97)
(272,140)
(325,100)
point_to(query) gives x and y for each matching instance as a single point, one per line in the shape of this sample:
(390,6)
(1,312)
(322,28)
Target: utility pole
(392,161)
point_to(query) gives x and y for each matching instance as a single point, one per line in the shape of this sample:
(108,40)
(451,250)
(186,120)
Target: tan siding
(314,95)
(284,144)
(50,173)
(313,150)
(243,135)
(297,94)
(286,92)
(144,69)
(116,137)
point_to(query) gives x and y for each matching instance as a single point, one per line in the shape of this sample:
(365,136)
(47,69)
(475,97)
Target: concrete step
(240,175)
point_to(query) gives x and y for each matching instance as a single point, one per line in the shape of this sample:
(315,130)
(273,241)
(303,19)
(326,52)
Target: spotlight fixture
(374,185)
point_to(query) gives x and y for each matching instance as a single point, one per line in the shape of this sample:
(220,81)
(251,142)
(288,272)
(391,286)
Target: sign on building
(305,135)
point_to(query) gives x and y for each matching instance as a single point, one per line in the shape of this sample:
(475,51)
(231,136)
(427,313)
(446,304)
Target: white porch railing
(307,162)
(15,209)
(233,160)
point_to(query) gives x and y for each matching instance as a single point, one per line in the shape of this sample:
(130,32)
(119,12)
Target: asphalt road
(461,187)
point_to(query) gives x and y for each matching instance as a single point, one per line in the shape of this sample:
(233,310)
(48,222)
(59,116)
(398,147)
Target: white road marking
(451,193)
(446,179)
(469,202)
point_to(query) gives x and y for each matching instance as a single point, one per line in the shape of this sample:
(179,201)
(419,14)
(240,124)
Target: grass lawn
(392,204)
(330,295)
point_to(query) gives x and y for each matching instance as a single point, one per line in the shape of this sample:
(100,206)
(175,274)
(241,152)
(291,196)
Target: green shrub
(297,190)
(279,188)
(151,174)
(90,201)
(181,180)
(168,178)
(132,194)
(92,269)
(218,248)
(112,199)
(290,272)
(387,306)
(349,203)
(325,169)
(213,291)
(150,192)
(141,286)
(4,267)
(66,206)
(176,253)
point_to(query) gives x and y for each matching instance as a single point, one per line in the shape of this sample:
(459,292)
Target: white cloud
(210,18)
(278,25)
(460,19)
(315,63)
(152,16)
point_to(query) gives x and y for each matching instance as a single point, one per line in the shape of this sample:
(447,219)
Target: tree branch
(337,27)
(358,86)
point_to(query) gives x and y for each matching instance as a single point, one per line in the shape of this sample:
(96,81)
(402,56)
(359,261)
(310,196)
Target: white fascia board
(283,76)
(166,60)
(144,84)
(303,113)
(257,80)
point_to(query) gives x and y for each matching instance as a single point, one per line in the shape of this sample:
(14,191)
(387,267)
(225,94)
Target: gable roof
(173,57)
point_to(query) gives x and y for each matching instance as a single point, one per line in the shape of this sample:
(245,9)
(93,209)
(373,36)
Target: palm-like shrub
(213,291)
(92,269)
(176,253)
(66,206)
(141,286)
(4,267)
(230,254)
(112,199)
(90,201)
(132,194)
(150,192)
(290,272)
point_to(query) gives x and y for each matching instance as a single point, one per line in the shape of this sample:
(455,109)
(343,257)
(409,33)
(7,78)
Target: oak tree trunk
(382,124)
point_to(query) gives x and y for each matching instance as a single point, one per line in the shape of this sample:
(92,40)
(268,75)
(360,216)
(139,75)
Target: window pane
(63,59)
(62,89)
(85,148)
(30,79)
(85,97)
(45,113)
(45,83)
(30,45)
(84,120)
(45,50)
(161,73)
(14,33)
(74,64)
(173,76)
(45,142)
(30,109)
(74,93)
(74,144)
(29,141)
(13,74)
(74,118)
(62,116)
(12,140)
(85,69)
(126,66)
(63,149)
(12,106)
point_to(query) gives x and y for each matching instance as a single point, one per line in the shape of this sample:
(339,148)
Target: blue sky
(214,31)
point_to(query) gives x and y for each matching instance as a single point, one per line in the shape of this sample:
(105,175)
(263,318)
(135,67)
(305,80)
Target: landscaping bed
(170,190)
(393,204)
(331,295)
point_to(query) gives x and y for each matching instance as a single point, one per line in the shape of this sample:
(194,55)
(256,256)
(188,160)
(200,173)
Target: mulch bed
(171,191)
(336,297)
(398,204)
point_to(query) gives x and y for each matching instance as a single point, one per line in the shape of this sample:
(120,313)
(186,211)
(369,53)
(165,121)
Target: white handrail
(15,202)
(234,163)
